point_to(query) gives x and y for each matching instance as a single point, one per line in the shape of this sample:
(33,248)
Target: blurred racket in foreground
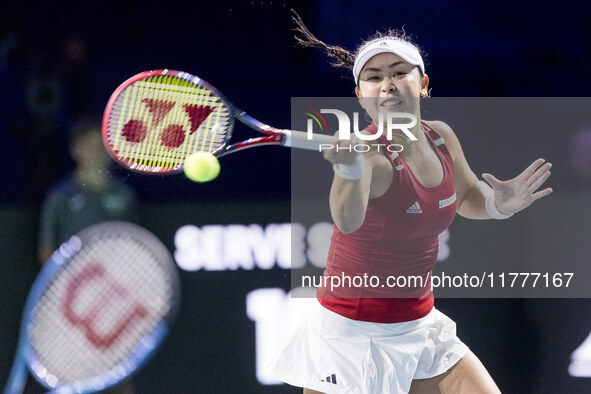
(98,309)
(155,119)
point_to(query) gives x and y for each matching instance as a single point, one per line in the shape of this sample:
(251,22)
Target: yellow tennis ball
(202,167)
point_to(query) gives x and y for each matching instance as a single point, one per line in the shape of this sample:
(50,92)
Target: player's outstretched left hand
(518,193)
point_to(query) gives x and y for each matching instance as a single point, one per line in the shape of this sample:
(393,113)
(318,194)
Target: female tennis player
(388,208)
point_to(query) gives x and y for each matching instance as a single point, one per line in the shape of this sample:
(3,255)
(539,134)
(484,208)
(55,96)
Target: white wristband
(492,210)
(351,172)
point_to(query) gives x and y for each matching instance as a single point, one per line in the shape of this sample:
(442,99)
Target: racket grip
(18,374)
(301,140)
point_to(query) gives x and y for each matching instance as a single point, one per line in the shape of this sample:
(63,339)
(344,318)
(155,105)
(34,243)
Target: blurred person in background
(87,196)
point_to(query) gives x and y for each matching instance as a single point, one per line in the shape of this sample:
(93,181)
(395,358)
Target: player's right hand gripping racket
(155,119)
(98,309)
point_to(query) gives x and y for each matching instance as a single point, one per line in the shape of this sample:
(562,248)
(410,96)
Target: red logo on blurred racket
(102,315)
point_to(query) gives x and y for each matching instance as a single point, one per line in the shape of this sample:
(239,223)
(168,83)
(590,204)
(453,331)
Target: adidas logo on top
(414,208)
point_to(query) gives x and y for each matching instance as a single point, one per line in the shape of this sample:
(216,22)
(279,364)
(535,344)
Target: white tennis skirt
(333,354)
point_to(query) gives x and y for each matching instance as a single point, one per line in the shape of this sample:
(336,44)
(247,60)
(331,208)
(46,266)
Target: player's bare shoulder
(448,135)
(440,127)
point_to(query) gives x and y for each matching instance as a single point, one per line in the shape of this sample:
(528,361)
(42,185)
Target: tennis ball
(202,167)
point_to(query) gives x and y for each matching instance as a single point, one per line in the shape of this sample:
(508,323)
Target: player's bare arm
(508,196)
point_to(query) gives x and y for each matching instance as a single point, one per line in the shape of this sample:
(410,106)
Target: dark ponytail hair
(341,56)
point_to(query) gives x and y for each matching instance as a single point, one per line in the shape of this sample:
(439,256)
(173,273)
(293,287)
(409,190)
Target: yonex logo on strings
(344,129)
(171,135)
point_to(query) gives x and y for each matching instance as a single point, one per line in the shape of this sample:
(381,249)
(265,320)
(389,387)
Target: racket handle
(18,375)
(300,140)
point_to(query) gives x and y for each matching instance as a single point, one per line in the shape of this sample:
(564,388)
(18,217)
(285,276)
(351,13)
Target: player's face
(388,83)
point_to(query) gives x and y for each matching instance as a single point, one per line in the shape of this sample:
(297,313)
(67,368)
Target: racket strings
(158,121)
(103,285)
(95,367)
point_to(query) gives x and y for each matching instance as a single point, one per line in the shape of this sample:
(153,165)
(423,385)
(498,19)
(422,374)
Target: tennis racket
(155,119)
(97,310)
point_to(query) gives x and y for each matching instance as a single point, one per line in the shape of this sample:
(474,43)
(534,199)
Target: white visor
(407,52)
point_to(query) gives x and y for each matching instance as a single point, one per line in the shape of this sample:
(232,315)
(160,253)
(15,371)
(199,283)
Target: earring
(426,93)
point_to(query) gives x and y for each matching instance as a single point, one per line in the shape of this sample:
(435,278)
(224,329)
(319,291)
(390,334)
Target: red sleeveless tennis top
(374,266)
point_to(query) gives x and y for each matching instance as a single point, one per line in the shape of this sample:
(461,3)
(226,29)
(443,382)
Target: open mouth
(391,102)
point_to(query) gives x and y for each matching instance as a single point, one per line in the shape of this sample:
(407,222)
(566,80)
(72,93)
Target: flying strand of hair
(343,57)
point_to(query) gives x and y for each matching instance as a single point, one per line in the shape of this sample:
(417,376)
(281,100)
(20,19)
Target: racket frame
(26,358)
(272,135)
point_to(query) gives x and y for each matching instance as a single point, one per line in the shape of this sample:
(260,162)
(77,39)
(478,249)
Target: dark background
(246,50)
